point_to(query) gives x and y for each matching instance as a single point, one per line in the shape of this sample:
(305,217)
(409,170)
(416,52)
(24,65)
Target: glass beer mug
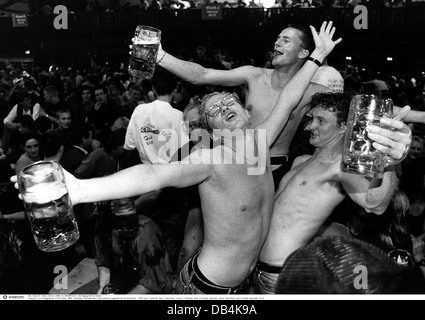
(359,156)
(144,51)
(47,205)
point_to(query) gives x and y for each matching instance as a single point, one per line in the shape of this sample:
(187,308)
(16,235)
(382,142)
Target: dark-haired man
(25,106)
(315,185)
(152,128)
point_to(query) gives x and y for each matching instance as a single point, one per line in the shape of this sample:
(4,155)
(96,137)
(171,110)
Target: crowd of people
(97,6)
(204,225)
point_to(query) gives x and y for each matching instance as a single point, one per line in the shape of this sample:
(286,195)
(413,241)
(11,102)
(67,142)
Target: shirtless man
(263,86)
(236,205)
(315,185)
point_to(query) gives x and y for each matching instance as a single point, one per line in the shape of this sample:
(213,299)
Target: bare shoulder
(252,72)
(300,159)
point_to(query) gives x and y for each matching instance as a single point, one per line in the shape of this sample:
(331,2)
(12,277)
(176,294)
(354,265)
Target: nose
(309,126)
(224,109)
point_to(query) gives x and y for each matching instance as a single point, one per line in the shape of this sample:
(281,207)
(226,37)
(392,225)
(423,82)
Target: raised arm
(293,92)
(198,75)
(375,195)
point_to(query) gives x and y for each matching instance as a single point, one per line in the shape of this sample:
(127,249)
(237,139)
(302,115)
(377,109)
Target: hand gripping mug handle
(392,162)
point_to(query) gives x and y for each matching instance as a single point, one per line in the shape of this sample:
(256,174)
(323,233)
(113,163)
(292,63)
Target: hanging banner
(19,20)
(212,12)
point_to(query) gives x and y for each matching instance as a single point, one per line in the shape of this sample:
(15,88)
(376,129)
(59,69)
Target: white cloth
(156,130)
(13,114)
(329,77)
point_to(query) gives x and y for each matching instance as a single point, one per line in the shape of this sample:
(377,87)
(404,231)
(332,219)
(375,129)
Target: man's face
(31,148)
(26,103)
(2,153)
(100,96)
(47,97)
(287,48)
(192,118)
(135,95)
(224,111)
(64,120)
(86,95)
(323,126)
(415,149)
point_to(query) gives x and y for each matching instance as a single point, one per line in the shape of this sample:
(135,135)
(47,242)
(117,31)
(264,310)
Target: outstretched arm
(198,75)
(135,180)
(296,87)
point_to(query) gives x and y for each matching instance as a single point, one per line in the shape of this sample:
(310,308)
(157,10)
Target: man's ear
(343,127)
(304,54)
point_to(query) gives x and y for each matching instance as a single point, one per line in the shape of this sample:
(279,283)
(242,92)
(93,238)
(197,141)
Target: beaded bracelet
(161,58)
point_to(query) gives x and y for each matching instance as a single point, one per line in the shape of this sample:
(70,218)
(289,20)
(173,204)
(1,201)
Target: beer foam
(44,192)
(125,211)
(146,41)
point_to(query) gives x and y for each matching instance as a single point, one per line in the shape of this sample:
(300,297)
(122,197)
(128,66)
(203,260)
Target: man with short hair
(64,126)
(155,130)
(315,185)
(25,106)
(52,103)
(105,109)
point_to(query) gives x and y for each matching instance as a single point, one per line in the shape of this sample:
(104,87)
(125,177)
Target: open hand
(323,40)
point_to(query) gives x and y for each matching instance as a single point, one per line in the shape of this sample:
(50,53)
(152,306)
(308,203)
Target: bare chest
(313,176)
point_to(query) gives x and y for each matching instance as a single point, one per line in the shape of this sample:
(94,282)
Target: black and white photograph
(212,154)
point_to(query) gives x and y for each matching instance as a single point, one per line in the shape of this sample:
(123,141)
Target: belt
(206,288)
(261,266)
(274,160)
